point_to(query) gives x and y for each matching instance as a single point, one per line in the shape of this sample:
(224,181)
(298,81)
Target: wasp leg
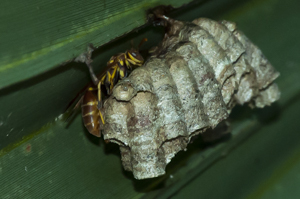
(99,96)
(101,116)
(93,75)
(122,71)
(110,79)
(107,82)
(113,79)
(99,106)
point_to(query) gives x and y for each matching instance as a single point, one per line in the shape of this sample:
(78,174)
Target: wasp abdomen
(90,113)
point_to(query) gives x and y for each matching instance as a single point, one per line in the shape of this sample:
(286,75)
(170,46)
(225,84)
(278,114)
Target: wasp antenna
(143,40)
(132,43)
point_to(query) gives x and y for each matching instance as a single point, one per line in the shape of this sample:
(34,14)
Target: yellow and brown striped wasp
(92,100)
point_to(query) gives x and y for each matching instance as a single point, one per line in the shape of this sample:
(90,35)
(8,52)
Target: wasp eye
(133,54)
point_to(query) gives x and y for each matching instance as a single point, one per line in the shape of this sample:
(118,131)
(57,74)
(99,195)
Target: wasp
(91,102)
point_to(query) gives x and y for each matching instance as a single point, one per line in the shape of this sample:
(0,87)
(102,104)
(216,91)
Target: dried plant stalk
(199,72)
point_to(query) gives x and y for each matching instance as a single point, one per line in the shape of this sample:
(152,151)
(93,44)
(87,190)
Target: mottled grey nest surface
(199,72)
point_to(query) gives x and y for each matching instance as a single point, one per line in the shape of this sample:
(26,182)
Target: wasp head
(134,57)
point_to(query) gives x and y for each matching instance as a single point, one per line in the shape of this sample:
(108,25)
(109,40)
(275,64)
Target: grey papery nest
(199,72)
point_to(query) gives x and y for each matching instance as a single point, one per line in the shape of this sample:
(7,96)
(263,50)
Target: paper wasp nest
(200,71)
